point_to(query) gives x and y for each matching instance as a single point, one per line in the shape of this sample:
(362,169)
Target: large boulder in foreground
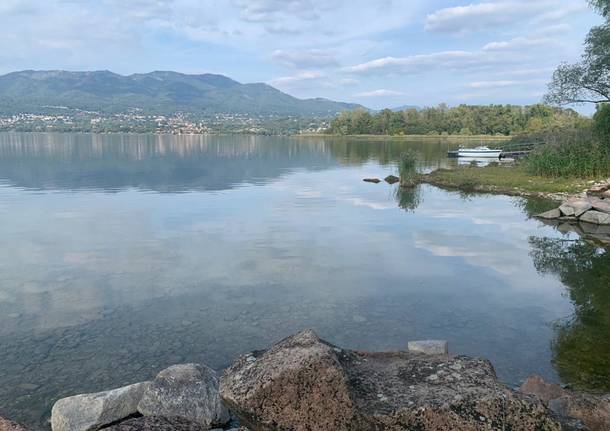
(592,410)
(304,383)
(188,391)
(88,412)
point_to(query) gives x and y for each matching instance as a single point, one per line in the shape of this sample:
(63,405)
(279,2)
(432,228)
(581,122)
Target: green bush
(601,124)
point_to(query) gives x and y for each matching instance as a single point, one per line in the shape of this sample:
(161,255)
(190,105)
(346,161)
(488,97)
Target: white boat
(479,152)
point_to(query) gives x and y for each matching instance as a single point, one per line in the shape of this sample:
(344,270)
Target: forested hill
(459,120)
(154,93)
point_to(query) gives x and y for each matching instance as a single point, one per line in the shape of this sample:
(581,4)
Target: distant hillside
(404,108)
(154,93)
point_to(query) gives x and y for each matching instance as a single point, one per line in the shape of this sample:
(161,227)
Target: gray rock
(92,411)
(601,206)
(575,207)
(550,215)
(596,217)
(429,347)
(188,391)
(304,383)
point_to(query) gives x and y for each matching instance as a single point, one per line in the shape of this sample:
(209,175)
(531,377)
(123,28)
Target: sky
(380,53)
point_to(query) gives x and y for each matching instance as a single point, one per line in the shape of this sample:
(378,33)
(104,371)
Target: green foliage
(587,81)
(407,166)
(568,159)
(461,120)
(601,124)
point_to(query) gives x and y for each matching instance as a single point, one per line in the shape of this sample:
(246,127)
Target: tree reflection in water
(408,198)
(582,346)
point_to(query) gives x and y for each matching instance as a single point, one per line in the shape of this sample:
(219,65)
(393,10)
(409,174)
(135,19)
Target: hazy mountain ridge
(155,93)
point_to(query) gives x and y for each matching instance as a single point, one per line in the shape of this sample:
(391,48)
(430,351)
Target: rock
(593,411)
(8,425)
(575,207)
(536,385)
(595,217)
(567,209)
(598,189)
(391,179)
(550,215)
(606,194)
(157,423)
(93,411)
(429,347)
(601,206)
(304,383)
(372,180)
(188,391)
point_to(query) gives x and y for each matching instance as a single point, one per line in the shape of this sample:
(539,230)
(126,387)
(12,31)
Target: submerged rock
(593,411)
(372,180)
(429,347)
(304,383)
(188,391)
(92,411)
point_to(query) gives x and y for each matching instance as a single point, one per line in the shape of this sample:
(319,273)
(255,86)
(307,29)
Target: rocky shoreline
(587,215)
(305,383)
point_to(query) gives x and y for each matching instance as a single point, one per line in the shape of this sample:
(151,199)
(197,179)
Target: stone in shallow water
(188,391)
(429,347)
(391,179)
(550,215)
(596,217)
(592,410)
(304,383)
(372,180)
(88,412)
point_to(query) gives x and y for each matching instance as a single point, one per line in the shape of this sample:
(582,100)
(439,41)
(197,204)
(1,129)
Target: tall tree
(587,81)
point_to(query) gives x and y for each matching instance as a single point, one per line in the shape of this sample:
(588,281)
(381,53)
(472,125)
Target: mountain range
(151,93)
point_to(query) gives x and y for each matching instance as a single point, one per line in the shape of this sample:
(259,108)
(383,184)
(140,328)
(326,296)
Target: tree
(589,80)
(601,123)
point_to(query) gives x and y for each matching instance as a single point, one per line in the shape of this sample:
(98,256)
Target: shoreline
(407,137)
(303,382)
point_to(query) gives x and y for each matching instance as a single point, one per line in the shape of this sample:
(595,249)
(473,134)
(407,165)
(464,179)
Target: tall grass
(573,152)
(407,168)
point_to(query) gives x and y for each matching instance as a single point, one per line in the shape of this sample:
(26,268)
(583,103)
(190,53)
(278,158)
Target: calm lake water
(124,254)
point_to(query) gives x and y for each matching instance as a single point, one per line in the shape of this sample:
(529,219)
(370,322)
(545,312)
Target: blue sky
(376,52)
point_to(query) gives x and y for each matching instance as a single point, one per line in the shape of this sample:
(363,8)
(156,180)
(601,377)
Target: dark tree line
(460,120)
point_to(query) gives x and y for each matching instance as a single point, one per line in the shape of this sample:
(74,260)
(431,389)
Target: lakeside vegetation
(463,120)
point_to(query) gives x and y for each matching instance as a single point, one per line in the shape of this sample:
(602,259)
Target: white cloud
(505,83)
(379,93)
(520,43)
(296,79)
(482,15)
(304,59)
(422,63)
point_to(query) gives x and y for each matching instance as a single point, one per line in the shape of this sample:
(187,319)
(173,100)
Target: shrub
(601,124)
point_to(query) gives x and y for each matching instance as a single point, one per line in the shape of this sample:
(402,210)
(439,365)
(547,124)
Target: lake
(123,254)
